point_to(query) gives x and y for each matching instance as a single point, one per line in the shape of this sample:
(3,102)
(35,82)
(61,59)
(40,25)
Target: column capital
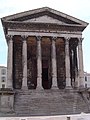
(67,40)
(53,38)
(9,37)
(38,37)
(24,37)
(80,40)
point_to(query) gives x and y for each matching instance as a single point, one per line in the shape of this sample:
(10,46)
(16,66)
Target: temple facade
(44,50)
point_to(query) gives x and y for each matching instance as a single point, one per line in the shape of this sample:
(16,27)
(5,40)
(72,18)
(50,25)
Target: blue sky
(77,8)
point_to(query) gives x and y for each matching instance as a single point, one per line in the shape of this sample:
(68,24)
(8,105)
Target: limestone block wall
(17,63)
(60,55)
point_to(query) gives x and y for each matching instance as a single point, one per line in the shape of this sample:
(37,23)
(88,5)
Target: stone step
(48,102)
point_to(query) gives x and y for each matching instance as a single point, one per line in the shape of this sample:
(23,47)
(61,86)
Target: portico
(39,61)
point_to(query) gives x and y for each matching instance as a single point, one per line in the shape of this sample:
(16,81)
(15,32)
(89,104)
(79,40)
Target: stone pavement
(81,116)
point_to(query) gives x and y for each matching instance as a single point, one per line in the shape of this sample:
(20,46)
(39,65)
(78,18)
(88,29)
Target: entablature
(43,26)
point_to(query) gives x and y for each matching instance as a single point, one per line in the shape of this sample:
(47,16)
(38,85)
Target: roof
(44,15)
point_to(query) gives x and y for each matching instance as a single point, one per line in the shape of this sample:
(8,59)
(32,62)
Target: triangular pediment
(45,19)
(45,15)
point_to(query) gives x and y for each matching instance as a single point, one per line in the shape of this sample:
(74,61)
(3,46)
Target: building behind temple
(3,77)
(87,79)
(45,64)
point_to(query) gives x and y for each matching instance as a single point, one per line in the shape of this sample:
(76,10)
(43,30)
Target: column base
(39,88)
(24,88)
(68,88)
(81,88)
(54,88)
(39,83)
(54,82)
(76,84)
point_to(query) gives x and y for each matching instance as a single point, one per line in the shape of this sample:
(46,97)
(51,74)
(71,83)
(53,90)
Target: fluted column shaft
(10,62)
(80,58)
(54,65)
(24,60)
(39,63)
(76,70)
(67,63)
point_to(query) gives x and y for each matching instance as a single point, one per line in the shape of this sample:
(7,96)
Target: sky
(76,8)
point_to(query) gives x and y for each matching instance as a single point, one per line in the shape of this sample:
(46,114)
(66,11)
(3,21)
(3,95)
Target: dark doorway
(45,74)
(46,82)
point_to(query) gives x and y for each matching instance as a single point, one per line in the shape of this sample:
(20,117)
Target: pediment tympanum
(45,19)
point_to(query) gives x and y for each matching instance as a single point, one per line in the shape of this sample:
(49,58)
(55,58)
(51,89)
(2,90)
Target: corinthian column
(24,60)
(54,65)
(39,63)
(10,62)
(67,63)
(80,60)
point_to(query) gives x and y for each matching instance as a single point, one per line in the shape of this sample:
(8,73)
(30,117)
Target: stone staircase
(48,102)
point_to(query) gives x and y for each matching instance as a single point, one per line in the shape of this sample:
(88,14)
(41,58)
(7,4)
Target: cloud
(72,7)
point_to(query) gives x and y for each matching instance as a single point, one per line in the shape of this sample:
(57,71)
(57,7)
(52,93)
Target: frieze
(41,26)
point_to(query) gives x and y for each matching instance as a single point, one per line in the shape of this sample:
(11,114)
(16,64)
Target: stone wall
(31,63)
(17,63)
(60,55)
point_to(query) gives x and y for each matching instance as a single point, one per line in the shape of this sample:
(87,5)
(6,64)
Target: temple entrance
(46,81)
